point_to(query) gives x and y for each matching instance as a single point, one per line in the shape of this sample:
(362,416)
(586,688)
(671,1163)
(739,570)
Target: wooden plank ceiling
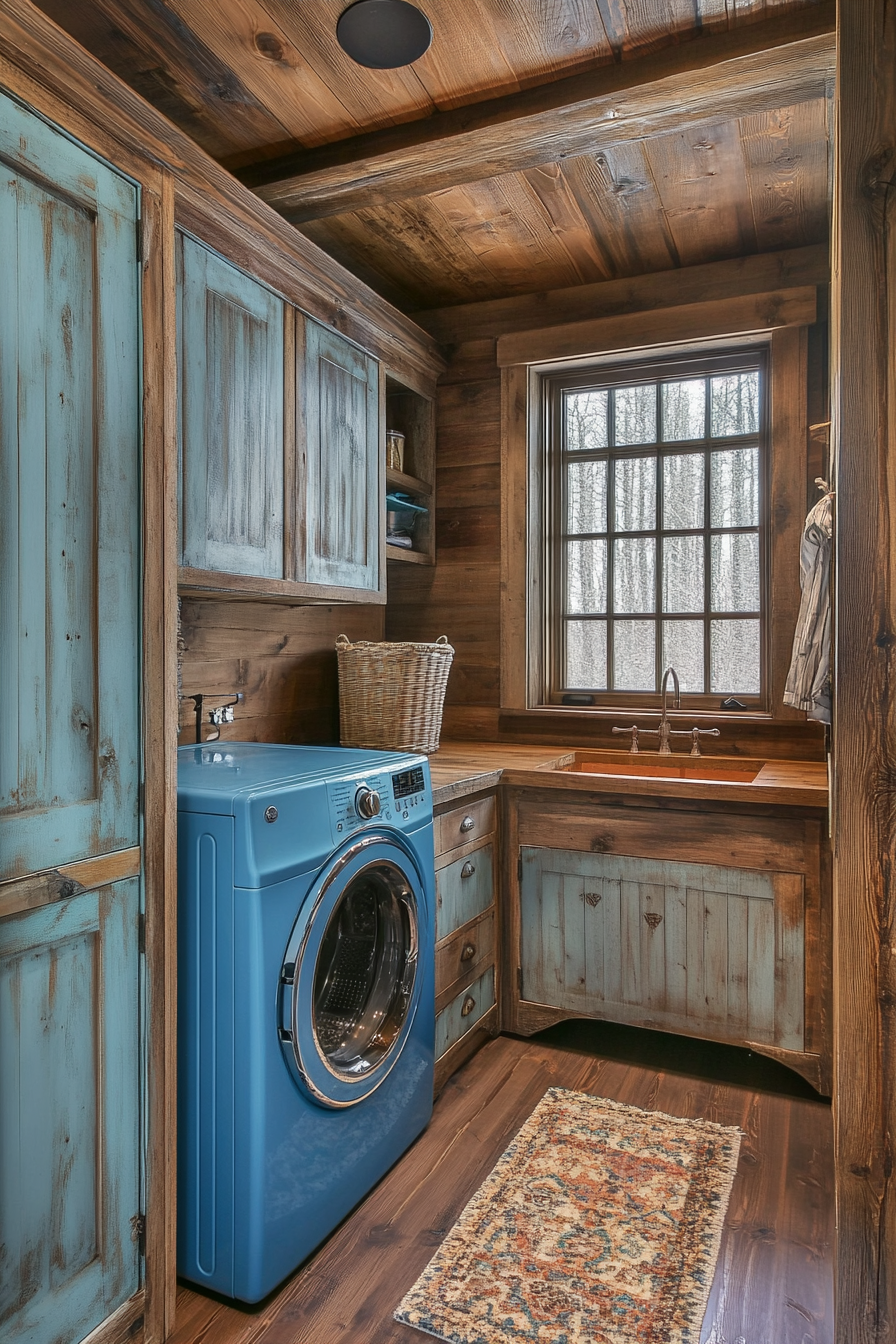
(538,143)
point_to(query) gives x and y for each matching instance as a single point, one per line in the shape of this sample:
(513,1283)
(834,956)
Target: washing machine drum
(350,984)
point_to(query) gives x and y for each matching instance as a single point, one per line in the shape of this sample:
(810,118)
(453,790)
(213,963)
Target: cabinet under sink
(697,919)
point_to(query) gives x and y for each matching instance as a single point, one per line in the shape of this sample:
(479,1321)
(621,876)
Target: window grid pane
(674,570)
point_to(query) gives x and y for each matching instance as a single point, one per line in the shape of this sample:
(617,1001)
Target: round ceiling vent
(383,34)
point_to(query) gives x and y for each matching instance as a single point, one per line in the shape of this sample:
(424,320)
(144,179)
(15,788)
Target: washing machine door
(350,984)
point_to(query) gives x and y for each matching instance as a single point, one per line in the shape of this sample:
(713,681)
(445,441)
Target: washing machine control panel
(386,797)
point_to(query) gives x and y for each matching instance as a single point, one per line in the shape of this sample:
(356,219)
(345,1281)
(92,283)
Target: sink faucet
(663,729)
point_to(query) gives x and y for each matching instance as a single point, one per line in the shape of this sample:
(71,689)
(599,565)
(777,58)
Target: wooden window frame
(701,364)
(524,522)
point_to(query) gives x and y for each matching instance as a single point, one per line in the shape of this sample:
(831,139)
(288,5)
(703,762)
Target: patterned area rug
(600,1224)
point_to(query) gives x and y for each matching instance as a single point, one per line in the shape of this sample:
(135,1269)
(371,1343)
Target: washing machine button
(367,803)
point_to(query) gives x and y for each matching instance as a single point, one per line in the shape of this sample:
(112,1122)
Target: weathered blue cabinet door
(231,396)
(69,425)
(69,1093)
(70,1047)
(339,472)
(688,947)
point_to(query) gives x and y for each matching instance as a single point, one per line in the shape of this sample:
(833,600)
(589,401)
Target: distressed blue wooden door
(230,363)
(69,1117)
(70,1049)
(339,470)
(69,439)
(688,947)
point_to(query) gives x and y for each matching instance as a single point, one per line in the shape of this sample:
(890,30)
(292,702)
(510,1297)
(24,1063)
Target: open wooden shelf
(413,414)
(400,480)
(409,557)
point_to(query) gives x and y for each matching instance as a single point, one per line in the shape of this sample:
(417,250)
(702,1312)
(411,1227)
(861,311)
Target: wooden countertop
(461,768)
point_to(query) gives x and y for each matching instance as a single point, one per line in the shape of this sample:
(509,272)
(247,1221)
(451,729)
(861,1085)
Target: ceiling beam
(716,76)
(763,272)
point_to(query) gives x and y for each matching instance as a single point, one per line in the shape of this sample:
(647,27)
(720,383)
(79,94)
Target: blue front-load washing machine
(306,1014)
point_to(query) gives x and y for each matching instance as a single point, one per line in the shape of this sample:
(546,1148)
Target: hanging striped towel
(808,683)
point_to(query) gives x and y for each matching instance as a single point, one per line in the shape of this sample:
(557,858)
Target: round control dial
(367,802)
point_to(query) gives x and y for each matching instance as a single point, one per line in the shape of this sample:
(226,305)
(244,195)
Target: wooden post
(864,405)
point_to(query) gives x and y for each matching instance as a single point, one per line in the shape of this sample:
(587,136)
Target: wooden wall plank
(788,406)
(864,407)
(283,659)
(159,720)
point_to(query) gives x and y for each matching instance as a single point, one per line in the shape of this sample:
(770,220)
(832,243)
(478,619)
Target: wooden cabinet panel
(339,466)
(69,1089)
(464,889)
(688,947)
(69,457)
(463,824)
(464,1011)
(231,374)
(463,956)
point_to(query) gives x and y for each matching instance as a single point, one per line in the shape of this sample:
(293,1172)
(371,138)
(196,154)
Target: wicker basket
(391,695)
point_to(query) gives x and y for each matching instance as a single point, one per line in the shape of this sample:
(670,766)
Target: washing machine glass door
(355,976)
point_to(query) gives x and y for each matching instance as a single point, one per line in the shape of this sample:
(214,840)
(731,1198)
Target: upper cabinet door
(69,501)
(231,401)
(339,537)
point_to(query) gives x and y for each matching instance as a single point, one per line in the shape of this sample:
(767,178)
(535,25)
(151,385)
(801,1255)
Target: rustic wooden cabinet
(466,932)
(281,449)
(710,924)
(339,457)
(70,961)
(231,384)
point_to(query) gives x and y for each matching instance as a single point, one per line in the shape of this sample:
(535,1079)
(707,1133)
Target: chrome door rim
(383,1067)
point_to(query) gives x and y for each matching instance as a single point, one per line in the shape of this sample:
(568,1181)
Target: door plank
(58,884)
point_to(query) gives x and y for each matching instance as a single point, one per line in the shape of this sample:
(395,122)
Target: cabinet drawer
(464,1011)
(464,889)
(463,824)
(464,956)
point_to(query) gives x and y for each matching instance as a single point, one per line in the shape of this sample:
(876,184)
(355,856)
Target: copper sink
(645,765)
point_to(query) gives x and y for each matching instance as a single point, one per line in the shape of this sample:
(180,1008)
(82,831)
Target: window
(655,495)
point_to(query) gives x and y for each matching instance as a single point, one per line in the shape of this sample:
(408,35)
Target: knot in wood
(269,45)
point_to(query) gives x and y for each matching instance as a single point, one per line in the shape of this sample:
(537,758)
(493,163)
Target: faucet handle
(696,734)
(634,730)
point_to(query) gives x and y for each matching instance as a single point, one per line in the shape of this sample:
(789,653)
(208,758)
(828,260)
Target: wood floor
(774,1279)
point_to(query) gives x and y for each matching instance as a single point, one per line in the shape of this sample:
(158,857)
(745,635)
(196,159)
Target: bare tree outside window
(659,556)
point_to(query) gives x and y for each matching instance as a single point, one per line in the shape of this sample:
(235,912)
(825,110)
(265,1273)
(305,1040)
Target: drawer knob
(468,1006)
(467,824)
(468,869)
(468,953)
